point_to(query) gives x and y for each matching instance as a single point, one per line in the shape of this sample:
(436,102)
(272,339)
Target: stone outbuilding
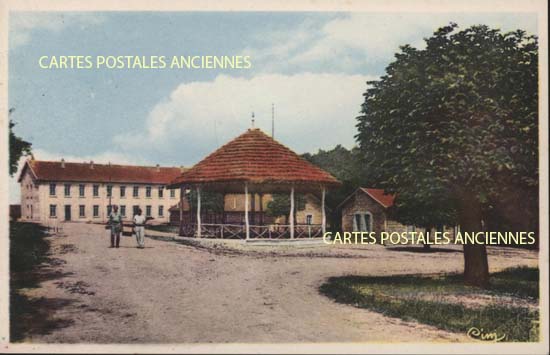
(366,210)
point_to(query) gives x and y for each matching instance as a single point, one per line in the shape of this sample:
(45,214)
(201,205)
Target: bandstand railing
(238,231)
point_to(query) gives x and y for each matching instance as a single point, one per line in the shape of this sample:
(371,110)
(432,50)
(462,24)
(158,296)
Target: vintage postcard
(274,177)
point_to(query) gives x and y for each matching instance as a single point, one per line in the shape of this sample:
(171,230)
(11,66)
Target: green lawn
(436,300)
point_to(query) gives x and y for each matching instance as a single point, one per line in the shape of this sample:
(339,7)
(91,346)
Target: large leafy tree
(454,126)
(18,147)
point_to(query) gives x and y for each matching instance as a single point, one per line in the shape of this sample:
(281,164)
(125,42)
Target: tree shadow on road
(30,265)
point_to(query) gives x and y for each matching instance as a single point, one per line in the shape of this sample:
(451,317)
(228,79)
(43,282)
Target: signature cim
(480,334)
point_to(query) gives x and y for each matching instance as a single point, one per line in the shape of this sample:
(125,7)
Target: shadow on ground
(30,265)
(421,249)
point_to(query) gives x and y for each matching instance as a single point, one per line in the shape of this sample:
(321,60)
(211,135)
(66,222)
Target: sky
(313,67)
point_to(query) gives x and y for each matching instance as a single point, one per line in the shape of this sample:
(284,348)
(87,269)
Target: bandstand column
(182,194)
(291,217)
(261,197)
(324,215)
(246,222)
(198,212)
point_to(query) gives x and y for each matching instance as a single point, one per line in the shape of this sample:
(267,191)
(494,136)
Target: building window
(82,211)
(136,191)
(172,193)
(67,190)
(96,190)
(81,190)
(368,222)
(148,211)
(362,222)
(96,211)
(109,190)
(123,210)
(123,191)
(148,191)
(52,189)
(161,191)
(309,219)
(135,209)
(161,211)
(53,211)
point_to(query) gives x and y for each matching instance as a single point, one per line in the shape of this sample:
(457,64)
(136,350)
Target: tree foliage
(279,206)
(344,165)
(210,201)
(18,148)
(453,127)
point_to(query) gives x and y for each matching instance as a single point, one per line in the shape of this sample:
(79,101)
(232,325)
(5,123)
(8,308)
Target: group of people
(115,224)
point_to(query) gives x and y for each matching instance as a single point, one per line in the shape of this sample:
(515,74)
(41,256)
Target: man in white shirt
(139,228)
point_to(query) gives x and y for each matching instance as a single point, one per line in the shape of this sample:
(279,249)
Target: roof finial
(253,120)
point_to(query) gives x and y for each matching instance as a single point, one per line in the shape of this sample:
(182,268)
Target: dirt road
(175,293)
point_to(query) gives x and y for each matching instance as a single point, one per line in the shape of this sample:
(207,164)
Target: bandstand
(254,163)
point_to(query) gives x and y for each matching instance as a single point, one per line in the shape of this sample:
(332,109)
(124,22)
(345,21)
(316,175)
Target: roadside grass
(28,249)
(433,300)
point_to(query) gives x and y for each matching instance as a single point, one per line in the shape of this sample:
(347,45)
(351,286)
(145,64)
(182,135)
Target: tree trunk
(427,246)
(476,266)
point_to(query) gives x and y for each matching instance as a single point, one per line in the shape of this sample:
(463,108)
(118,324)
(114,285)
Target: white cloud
(274,47)
(22,24)
(312,111)
(40,154)
(345,43)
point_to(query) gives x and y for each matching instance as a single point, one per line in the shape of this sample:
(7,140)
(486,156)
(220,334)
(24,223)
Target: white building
(63,191)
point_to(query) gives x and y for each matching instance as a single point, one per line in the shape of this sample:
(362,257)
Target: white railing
(238,231)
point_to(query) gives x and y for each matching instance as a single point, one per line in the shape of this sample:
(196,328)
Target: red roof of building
(385,200)
(92,172)
(257,158)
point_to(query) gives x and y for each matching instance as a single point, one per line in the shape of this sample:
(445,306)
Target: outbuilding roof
(385,200)
(92,172)
(378,195)
(256,158)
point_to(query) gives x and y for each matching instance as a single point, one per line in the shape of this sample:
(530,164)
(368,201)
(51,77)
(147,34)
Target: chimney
(63,163)
(91,164)
(158,167)
(182,168)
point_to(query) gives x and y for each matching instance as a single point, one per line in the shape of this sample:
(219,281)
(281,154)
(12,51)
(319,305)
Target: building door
(67,212)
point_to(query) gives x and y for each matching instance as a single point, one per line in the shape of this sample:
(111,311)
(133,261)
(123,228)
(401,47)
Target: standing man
(139,228)
(115,222)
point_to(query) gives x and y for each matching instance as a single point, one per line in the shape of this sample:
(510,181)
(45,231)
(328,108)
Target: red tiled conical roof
(257,158)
